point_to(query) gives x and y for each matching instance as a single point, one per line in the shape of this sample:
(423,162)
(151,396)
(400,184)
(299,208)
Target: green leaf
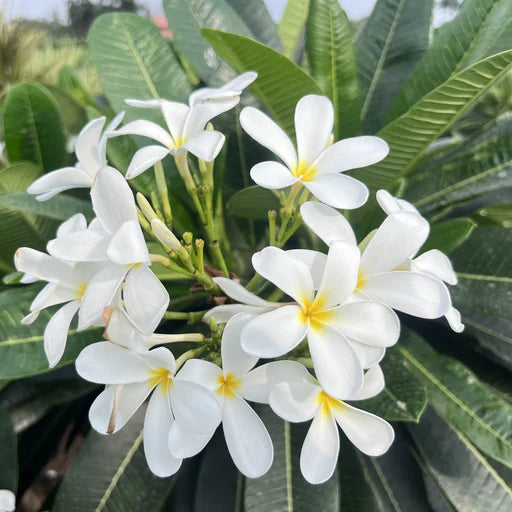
(60,207)
(135,61)
(283,488)
(482,165)
(8,455)
(403,398)
(461,399)
(292,24)
(411,134)
(21,346)
(391,42)
(256,16)
(280,84)
(186,18)
(448,235)
(110,474)
(482,28)
(331,57)
(497,214)
(253,203)
(33,127)
(463,474)
(73,114)
(19,228)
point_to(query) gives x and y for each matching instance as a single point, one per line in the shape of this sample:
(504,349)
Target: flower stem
(164,193)
(192,317)
(189,354)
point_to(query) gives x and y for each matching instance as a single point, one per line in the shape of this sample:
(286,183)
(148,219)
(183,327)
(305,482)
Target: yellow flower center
(361,281)
(328,403)
(81,290)
(161,376)
(314,312)
(227,385)
(179,141)
(304,171)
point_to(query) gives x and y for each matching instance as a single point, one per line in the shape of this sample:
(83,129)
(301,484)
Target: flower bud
(165,235)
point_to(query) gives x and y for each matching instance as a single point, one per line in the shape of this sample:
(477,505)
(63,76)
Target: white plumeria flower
(7,501)
(90,149)
(315,164)
(130,378)
(433,263)
(384,273)
(185,125)
(67,284)
(303,401)
(247,438)
(342,337)
(115,240)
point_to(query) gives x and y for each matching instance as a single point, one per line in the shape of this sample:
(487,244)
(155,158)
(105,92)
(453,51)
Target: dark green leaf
(135,61)
(448,235)
(463,474)
(411,134)
(403,398)
(110,474)
(33,127)
(73,114)
(482,28)
(280,84)
(461,399)
(8,455)
(331,56)
(21,346)
(391,42)
(283,488)
(253,203)
(292,24)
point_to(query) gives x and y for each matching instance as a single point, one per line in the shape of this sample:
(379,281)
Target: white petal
(30,318)
(239,293)
(352,153)
(146,129)
(157,424)
(144,159)
(320,450)
(338,190)
(314,260)
(87,145)
(392,204)
(196,408)
(201,114)
(102,148)
(454,319)
(106,363)
(398,238)
(7,500)
(437,264)
(183,443)
(373,384)
(153,103)
(258,383)
(175,115)
(314,118)
(339,278)
(110,188)
(368,356)
(412,293)
(223,313)
(51,184)
(76,222)
(127,246)
(145,298)
(288,274)
(99,293)
(116,405)
(56,332)
(120,330)
(86,245)
(45,267)
(274,333)
(206,145)
(295,401)
(159,358)
(50,295)
(272,175)
(201,372)
(327,223)
(371,434)
(248,441)
(337,366)
(371,323)
(265,131)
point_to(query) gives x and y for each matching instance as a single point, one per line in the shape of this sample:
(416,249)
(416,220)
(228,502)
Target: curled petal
(338,190)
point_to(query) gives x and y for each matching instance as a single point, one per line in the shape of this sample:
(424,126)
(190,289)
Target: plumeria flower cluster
(327,324)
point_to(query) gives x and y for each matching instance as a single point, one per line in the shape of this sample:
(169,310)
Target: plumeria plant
(278,283)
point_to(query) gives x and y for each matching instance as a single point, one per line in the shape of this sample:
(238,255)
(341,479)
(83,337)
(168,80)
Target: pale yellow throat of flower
(228,384)
(163,376)
(314,312)
(179,141)
(80,290)
(328,404)
(304,171)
